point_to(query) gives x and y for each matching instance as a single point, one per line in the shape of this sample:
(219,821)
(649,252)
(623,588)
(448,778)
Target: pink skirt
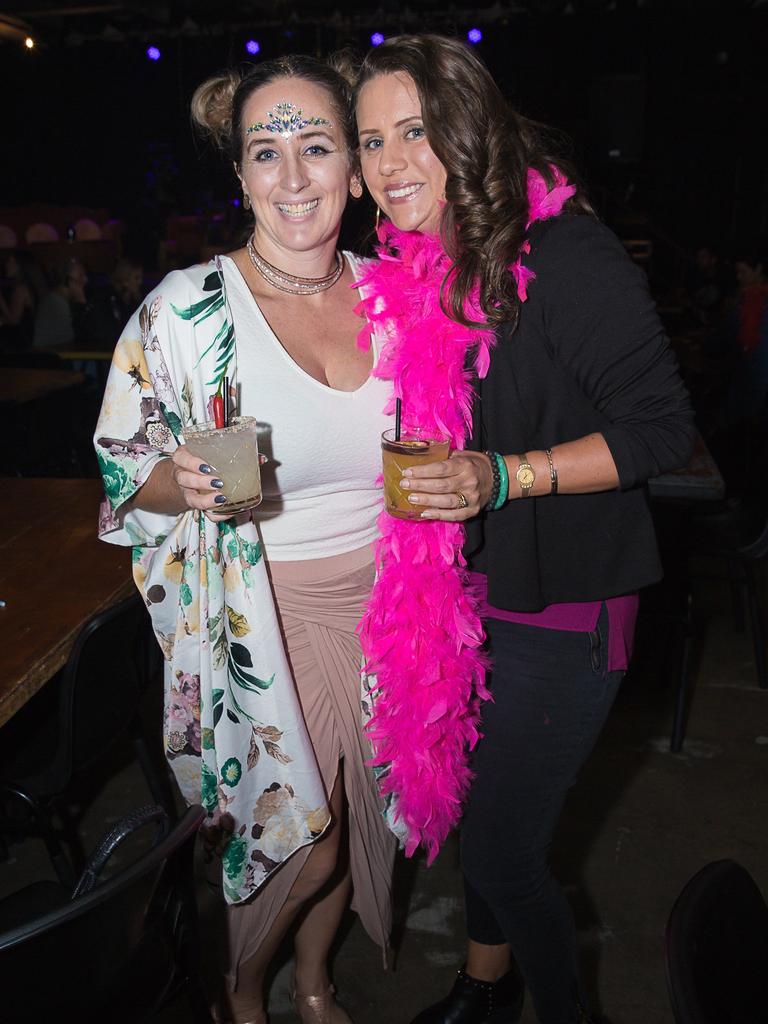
(319,603)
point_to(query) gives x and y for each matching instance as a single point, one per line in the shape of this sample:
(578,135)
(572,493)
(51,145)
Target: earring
(246,200)
(378,217)
(355,188)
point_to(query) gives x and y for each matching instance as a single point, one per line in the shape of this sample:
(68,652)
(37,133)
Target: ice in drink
(233,454)
(411,450)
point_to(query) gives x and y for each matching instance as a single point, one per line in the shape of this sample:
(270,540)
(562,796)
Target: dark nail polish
(220,499)
(205,468)
(216,482)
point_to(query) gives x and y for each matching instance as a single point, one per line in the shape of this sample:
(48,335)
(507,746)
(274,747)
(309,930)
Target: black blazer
(589,354)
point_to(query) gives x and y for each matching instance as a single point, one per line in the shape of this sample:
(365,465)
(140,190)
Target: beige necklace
(290,283)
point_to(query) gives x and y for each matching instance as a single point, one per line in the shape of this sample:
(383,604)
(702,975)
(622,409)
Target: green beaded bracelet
(496,482)
(500,490)
(504,487)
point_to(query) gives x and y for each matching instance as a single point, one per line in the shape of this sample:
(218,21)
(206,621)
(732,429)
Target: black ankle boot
(478,1002)
(586,1016)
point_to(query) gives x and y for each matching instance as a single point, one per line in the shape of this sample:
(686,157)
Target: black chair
(741,561)
(117,950)
(721,536)
(96,700)
(716,949)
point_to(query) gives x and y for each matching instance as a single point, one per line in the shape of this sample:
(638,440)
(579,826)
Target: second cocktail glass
(411,449)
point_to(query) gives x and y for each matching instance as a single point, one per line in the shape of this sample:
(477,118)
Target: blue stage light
(153,53)
(474,35)
(377,39)
(252,46)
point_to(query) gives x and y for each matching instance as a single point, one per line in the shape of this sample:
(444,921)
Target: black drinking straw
(398,410)
(226,401)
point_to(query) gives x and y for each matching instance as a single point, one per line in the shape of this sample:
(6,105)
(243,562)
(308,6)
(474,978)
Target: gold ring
(462,500)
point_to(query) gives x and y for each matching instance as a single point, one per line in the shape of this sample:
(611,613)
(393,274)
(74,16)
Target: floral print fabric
(234,732)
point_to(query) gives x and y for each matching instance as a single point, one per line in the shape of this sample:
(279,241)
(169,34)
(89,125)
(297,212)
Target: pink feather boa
(421,632)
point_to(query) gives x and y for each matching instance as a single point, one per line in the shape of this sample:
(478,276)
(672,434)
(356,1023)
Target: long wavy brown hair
(486,149)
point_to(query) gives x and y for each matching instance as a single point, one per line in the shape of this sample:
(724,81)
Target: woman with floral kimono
(256,615)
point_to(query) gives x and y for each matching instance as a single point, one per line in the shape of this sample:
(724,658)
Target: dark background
(664,100)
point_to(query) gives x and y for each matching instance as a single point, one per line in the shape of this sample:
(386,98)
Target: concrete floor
(639,823)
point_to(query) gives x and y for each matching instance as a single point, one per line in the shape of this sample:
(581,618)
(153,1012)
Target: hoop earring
(378,217)
(246,200)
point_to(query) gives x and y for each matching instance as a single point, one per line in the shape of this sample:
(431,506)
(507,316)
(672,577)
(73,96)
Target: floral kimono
(233,727)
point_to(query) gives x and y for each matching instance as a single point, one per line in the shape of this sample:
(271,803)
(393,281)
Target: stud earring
(355,188)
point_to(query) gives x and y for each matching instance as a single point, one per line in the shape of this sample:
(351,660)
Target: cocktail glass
(233,453)
(412,449)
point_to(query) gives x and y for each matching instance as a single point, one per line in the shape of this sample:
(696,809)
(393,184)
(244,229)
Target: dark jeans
(552,693)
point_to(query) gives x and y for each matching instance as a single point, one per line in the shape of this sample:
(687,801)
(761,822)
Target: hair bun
(346,64)
(211,106)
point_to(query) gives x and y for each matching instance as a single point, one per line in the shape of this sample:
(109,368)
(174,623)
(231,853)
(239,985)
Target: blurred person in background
(126,290)
(24,288)
(709,285)
(746,336)
(112,306)
(61,315)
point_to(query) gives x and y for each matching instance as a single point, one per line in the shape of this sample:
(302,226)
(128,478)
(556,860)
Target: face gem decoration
(284,120)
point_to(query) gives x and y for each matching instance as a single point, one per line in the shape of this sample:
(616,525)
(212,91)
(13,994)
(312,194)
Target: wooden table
(101,361)
(85,355)
(54,575)
(700,480)
(19,385)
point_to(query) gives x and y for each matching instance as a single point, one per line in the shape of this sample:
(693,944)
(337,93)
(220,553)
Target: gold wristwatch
(525,475)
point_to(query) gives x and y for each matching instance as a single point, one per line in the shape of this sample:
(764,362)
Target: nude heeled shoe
(322,1009)
(229,1020)
(219,1016)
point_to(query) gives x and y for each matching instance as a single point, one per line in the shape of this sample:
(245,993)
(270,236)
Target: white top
(320,495)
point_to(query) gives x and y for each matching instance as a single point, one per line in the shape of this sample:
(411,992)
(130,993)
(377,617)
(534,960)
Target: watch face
(525,476)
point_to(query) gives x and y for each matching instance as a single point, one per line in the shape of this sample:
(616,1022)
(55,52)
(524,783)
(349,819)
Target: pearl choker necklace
(290,283)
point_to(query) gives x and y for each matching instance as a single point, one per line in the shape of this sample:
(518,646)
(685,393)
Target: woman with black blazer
(581,404)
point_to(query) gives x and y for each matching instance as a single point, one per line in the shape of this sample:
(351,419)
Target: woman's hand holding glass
(198,484)
(439,487)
